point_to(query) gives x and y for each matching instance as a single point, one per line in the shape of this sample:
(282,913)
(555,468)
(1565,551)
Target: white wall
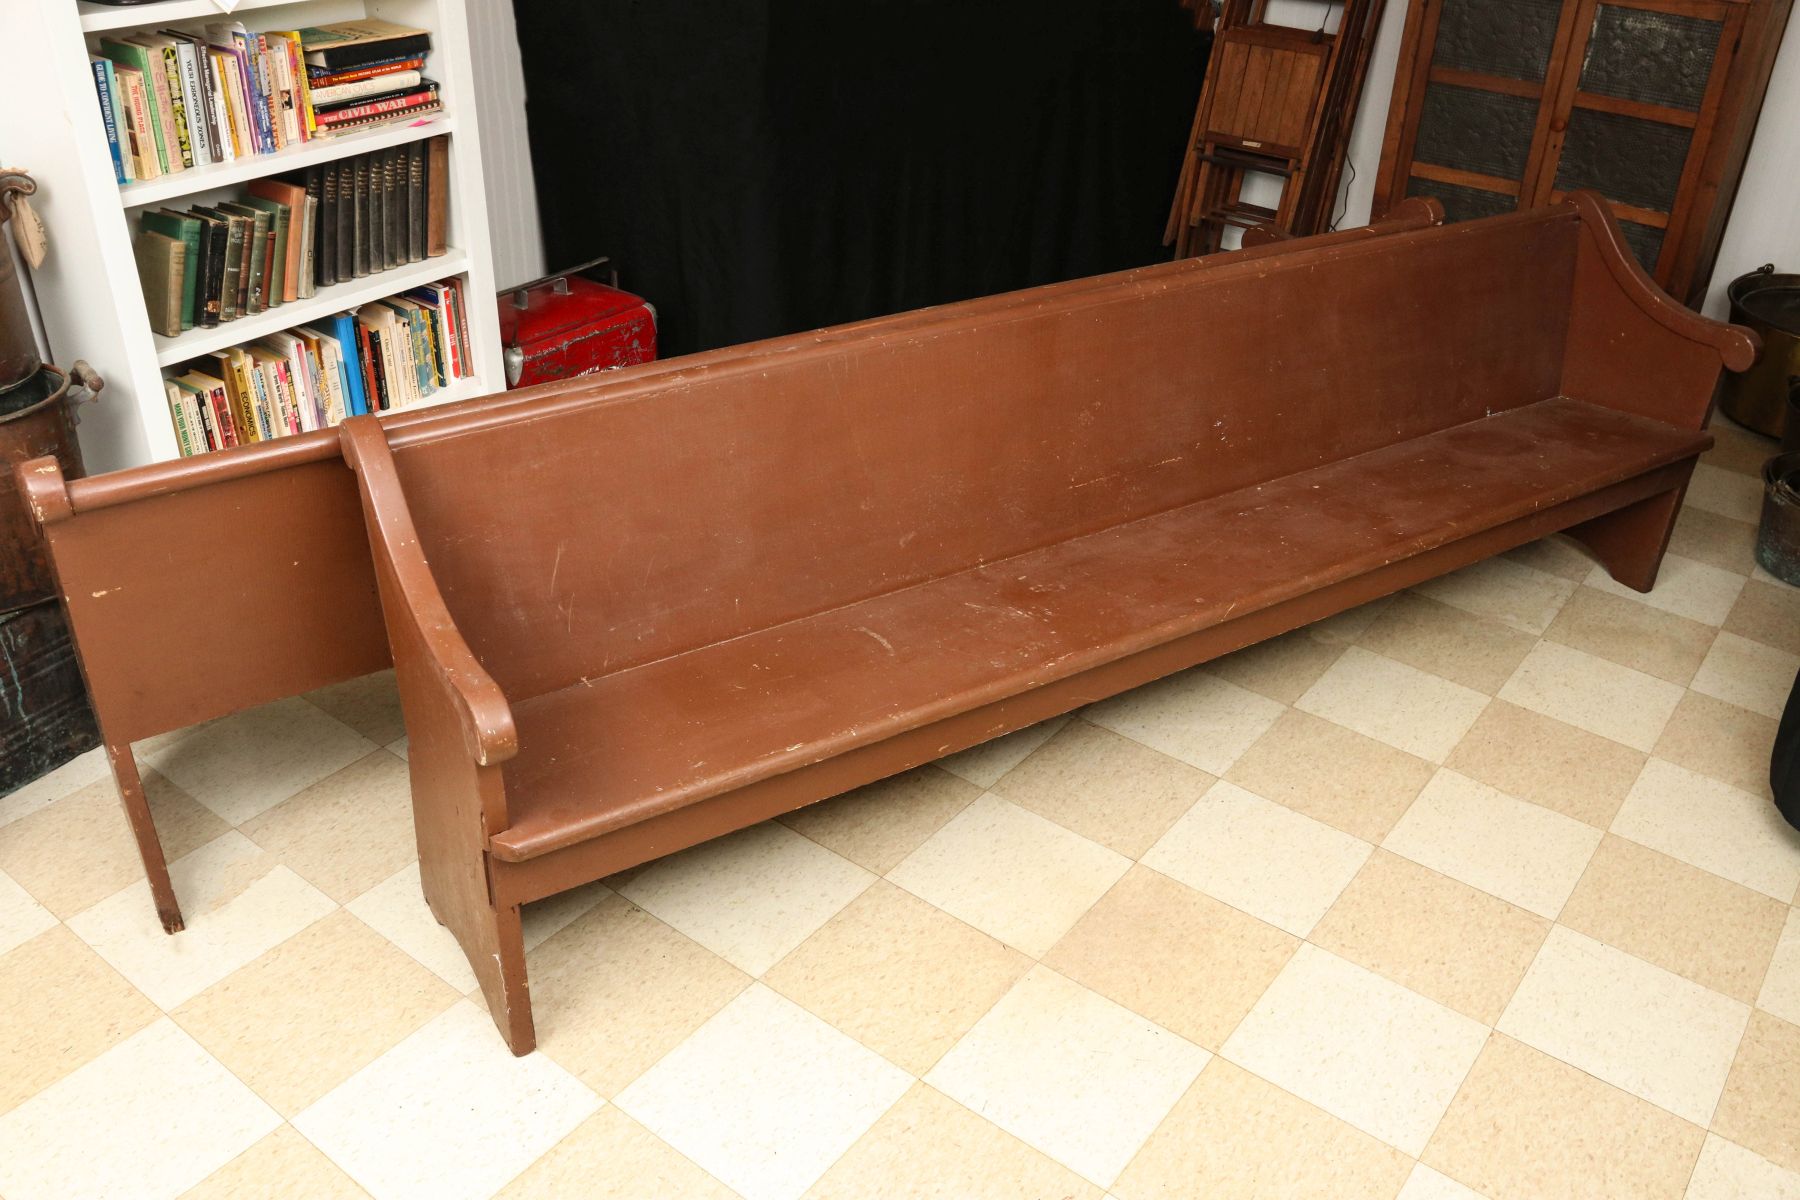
(506,154)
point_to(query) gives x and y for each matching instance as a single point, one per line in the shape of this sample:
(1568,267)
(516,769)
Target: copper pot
(19,362)
(1768,302)
(36,419)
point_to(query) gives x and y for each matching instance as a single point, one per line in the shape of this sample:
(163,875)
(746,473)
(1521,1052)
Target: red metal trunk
(569,325)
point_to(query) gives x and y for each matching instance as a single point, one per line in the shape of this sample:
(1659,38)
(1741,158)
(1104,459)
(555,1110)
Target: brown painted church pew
(631,618)
(203,587)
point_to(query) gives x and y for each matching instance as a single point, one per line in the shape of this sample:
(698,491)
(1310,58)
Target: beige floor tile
(239,902)
(241,765)
(1727,1171)
(612,1157)
(752,896)
(1409,709)
(1476,652)
(928,1145)
(65,780)
(765,1096)
(1729,743)
(396,909)
(1555,555)
(1715,932)
(1441,938)
(283,1164)
(1500,588)
(78,851)
(1633,635)
(314,1010)
(1211,961)
(448,1113)
(1748,674)
(1361,1047)
(1259,856)
(346,833)
(370,705)
(984,764)
(1523,853)
(1345,627)
(617,989)
(1427,1184)
(1728,493)
(146,1120)
(1548,762)
(1281,668)
(1660,1037)
(900,976)
(1736,448)
(1768,613)
(1010,873)
(1332,774)
(1106,787)
(1714,540)
(1526,1126)
(878,825)
(62,1007)
(1781,987)
(1713,826)
(21,917)
(1593,694)
(1233,1136)
(1684,588)
(1760,1109)
(1069,1072)
(1195,717)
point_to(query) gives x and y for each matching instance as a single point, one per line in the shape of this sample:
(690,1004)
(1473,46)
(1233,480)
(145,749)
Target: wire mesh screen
(1653,57)
(1513,38)
(1645,242)
(1462,203)
(1472,130)
(1626,159)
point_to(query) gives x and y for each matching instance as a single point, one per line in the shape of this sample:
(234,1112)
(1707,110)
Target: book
(415,202)
(186,230)
(393,207)
(344,45)
(105,89)
(292,198)
(343,331)
(322,77)
(194,102)
(404,104)
(162,269)
(258,257)
(137,122)
(171,103)
(437,196)
(284,229)
(309,228)
(155,98)
(373,85)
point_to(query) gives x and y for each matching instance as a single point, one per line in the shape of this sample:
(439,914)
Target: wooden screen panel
(1268,88)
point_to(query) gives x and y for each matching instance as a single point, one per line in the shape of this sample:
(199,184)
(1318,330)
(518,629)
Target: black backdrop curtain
(763,166)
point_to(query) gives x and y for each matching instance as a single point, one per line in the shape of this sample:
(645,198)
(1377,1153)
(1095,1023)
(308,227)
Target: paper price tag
(28,232)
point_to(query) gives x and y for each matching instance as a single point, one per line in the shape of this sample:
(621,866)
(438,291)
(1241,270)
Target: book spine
(372,86)
(251,69)
(356,112)
(184,440)
(218,126)
(156,89)
(103,89)
(194,104)
(437,196)
(178,120)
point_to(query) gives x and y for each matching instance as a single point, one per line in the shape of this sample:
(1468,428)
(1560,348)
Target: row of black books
(292,235)
(389,354)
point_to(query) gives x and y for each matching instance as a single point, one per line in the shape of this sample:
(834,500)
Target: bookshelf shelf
(320,150)
(89,293)
(334,299)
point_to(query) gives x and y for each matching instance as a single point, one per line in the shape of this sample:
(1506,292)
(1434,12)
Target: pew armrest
(417,618)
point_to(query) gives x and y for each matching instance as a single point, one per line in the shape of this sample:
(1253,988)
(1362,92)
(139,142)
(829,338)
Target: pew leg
(1630,541)
(143,828)
(493,939)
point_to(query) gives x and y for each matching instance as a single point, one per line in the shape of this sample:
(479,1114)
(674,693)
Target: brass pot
(19,361)
(1770,304)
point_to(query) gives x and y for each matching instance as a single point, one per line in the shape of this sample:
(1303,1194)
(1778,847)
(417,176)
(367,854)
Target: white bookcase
(88,292)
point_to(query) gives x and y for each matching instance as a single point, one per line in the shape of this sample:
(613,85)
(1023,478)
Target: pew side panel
(459,729)
(1632,348)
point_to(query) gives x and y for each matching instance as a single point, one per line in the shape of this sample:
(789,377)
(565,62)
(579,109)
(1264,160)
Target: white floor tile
(238,901)
(148,1119)
(752,896)
(1781,986)
(1070,1073)
(21,917)
(1590,693)
(449,1113)
(1010,873)
(242,765)
(1409,709)
(1427,1184)
(1747,674)
(983,765)
(1194,716)
(1260,857)
(1727,1171)
(1509,592)
(71,777)
(1683,587)
(1713,826)
(1366,1050)
(765,1095)
(1523,853)
(1640,1028)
